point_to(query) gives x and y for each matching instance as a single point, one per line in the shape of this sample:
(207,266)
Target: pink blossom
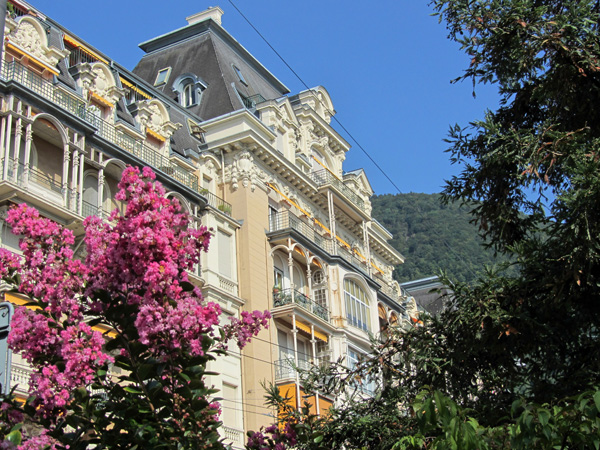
(248,326)
(133,275)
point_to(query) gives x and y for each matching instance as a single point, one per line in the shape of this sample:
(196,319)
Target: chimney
(213,12)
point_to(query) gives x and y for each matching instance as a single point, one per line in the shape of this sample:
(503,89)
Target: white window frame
(358,312)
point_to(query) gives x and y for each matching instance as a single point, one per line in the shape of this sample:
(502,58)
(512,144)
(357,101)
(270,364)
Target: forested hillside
(431,236)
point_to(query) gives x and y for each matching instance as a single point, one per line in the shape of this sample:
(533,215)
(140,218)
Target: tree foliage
(434,237)
(127,305)
(515,361)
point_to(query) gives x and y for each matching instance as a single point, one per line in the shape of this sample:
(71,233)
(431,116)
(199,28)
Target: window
(277,278)
(188,89)
(190,95)
(357,305)
(238,72)
(162,76)
(367,385)
(225,261)
(272,218)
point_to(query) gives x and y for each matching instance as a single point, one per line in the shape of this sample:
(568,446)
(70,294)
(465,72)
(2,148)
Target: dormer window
(240,75)
(188,88)
(190,95)
(162,76)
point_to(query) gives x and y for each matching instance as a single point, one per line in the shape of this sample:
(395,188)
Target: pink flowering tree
(118,342)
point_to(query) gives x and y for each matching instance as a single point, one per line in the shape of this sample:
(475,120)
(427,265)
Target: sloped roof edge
(197,28)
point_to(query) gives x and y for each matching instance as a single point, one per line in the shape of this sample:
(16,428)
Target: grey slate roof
(207,51)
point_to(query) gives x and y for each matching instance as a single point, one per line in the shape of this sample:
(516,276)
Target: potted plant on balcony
(277,295)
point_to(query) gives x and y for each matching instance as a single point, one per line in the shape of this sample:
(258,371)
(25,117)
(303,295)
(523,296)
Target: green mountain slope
(431,236)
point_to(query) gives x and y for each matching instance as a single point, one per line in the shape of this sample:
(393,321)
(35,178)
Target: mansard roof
(207,51)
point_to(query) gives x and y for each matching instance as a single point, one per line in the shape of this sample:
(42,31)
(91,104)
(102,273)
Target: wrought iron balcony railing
(283,297)
(30,177)
(286,220)
(286,368)
(324,177)
(14,71)
(217,202)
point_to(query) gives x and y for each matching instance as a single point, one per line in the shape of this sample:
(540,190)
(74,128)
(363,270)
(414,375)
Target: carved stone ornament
(209,167)
(30,36)
(244,171)
(153,115)
(104,83)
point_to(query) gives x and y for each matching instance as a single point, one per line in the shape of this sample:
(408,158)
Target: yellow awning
(101,100)
(155,135)
(133,87)
(32,58)
(306,328)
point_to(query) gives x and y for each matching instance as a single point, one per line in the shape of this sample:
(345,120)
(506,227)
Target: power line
(338,122)
(306,86)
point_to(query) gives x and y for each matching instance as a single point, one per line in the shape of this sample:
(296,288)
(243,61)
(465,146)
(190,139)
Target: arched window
(357,305)
(188,88)
(190,95)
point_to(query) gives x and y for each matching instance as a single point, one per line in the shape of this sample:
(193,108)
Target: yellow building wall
(255,279)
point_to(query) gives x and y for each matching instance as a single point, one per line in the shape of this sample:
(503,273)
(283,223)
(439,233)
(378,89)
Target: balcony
(38,183)
(14,71)
(287,221)
(252,101)
(350,257)
(283,297)
(233,436)
(217,202)
(286,368)
(325,177)
(19,379)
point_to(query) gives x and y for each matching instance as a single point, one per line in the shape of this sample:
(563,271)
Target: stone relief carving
(244,171)
(101,83)
(154,116)
(30,36)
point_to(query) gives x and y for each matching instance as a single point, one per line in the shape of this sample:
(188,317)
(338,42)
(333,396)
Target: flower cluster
(132,282)
(248,326)
(281,438)
(76,349)
(49,271)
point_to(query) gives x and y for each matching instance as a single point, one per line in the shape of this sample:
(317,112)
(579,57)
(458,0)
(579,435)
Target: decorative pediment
(153,115)
(324,105)
(319,101)
(287,112)
(98,83)
(29,37)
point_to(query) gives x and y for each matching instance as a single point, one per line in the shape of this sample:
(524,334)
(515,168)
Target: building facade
(263,168)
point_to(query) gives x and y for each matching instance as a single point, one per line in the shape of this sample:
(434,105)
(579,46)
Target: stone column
(80,186)
(295,333)
(27,156)
(65,171)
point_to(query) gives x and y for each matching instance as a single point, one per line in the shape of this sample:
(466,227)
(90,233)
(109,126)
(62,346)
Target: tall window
(224,242)
(189,95)
(357,305)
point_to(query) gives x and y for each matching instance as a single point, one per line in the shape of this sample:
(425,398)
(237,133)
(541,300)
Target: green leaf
(14,437)
(597,400)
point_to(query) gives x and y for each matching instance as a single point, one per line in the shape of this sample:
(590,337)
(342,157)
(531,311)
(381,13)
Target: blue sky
(387,65)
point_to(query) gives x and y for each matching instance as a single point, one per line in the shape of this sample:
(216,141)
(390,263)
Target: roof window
(162,76)
(240,75)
